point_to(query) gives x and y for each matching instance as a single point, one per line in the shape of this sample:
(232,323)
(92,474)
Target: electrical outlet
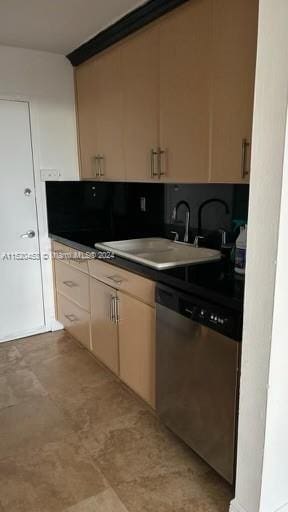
(143,204)
(50,175)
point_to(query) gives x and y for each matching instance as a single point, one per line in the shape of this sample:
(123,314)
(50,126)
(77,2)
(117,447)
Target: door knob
(28,234)
(27,192)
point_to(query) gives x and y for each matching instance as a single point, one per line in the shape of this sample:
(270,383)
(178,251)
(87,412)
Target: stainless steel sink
(160,253)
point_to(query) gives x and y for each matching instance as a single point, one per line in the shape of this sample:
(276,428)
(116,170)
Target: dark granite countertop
(215,281)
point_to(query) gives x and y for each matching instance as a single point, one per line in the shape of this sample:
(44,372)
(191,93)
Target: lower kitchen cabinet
(137,346)
(104,331)
(116,323)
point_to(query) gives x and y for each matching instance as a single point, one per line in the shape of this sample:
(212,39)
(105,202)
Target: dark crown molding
(130,23)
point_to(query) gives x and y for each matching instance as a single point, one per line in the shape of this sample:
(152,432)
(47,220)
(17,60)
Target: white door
(21,294)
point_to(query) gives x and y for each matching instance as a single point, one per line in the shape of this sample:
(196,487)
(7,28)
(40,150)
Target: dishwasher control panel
(214,316)
(209,316)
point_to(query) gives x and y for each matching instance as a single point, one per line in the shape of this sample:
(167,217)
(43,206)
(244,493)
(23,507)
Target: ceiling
(57,26)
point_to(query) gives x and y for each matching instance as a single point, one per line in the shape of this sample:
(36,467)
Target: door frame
(42,224)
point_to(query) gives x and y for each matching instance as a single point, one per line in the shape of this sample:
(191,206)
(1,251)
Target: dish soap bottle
(240,252)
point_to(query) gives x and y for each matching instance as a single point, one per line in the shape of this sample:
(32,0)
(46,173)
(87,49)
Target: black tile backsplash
(99,211)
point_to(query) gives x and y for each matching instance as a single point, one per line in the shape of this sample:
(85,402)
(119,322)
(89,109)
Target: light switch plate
(50,175)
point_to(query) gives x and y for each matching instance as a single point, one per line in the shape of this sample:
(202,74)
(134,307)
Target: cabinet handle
(99,171)
(153,154)
(96,158)
(117,314)
(70,284)
(101,166)
(160,152)
(245,146)
(98,166)
(116,280)
(114,313)
(71,318)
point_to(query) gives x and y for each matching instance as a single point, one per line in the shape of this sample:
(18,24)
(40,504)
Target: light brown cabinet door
(137,346)
(86,98)
(185,80)
(140,73)
(110,114)
(100,116)
(104,335)
(234,61)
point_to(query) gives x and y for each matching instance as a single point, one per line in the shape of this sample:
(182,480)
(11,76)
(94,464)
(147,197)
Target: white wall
(254,492)
(46,80)
(274,495)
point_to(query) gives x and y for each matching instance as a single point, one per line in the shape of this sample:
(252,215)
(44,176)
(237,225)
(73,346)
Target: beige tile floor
(73,439)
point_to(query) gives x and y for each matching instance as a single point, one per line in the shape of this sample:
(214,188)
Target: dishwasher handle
(167,297)
(171,299)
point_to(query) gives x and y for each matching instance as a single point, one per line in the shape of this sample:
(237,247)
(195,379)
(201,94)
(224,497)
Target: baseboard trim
(56,326)
(236,507)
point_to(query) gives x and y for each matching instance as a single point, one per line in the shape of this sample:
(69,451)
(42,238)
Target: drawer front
(74,319)
(121,279)
(79,261)
(73,284)
(61,252)
(71,256)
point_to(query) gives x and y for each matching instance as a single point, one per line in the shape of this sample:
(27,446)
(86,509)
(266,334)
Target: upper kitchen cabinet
(110,114)
(98,85)
(234,60)
(173,101)
(86,98)
(140,78)
(185,81)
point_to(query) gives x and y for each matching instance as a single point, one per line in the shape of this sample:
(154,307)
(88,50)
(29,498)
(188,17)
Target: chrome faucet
(187,218)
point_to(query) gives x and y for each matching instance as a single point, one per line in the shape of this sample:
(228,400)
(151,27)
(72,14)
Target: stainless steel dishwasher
(197,366)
